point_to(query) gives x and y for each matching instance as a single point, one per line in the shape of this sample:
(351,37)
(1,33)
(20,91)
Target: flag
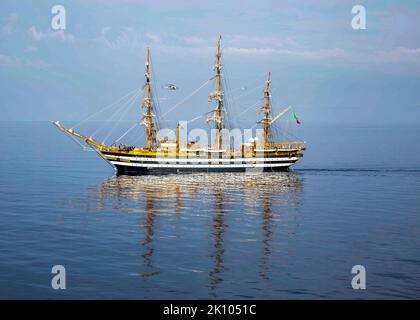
(296,118)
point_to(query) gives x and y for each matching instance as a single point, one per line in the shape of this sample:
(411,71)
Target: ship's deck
(276,150)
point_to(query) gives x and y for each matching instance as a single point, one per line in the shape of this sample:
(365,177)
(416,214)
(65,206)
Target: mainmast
(147,104)
(267,120)
(218,116)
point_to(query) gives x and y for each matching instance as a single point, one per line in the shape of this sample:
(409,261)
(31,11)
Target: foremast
(268,119)
(218,95)
(147,104)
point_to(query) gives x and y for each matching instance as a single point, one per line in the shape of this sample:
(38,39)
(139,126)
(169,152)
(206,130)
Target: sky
(327,71)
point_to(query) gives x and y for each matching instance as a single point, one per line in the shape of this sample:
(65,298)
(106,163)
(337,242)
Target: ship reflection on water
(205,209)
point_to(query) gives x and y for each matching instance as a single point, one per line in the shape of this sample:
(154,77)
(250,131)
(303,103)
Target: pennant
(296,118)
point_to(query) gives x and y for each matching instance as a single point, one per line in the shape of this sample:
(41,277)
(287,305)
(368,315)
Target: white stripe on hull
(178,166)
(198,160)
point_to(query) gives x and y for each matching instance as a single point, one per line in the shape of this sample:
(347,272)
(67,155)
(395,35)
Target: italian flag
(296,118)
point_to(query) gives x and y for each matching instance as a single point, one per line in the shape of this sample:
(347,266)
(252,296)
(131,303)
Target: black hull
(138,171)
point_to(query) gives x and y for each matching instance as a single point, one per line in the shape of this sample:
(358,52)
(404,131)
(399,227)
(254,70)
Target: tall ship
(164,156)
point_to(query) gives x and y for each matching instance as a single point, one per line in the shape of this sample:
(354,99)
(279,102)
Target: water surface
(353,199)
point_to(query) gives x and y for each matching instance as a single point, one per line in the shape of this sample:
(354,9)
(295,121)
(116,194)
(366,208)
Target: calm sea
(354,199)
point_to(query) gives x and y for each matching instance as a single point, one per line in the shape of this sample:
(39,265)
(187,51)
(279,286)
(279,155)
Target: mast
(218,116)
(178,138)
(147,104)
(267,120)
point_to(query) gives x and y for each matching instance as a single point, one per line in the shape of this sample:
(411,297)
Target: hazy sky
(322,67)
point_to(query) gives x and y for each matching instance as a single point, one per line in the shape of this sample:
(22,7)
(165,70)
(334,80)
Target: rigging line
(139,136)
(128,107)
(105,108)
(287,125)
(232,102)
(249,91)
(189,96)
(248,108)
(196,118)
(84,148)
(290,134)
(227,101)
(228,94)
(227,107)
(188,121)
(124,112)
(262,80)
(72,138)
(121,108)
(157,110)
(155,93)
(131,128)
(285,133)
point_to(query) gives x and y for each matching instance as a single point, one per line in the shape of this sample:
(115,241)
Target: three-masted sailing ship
(165,156)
